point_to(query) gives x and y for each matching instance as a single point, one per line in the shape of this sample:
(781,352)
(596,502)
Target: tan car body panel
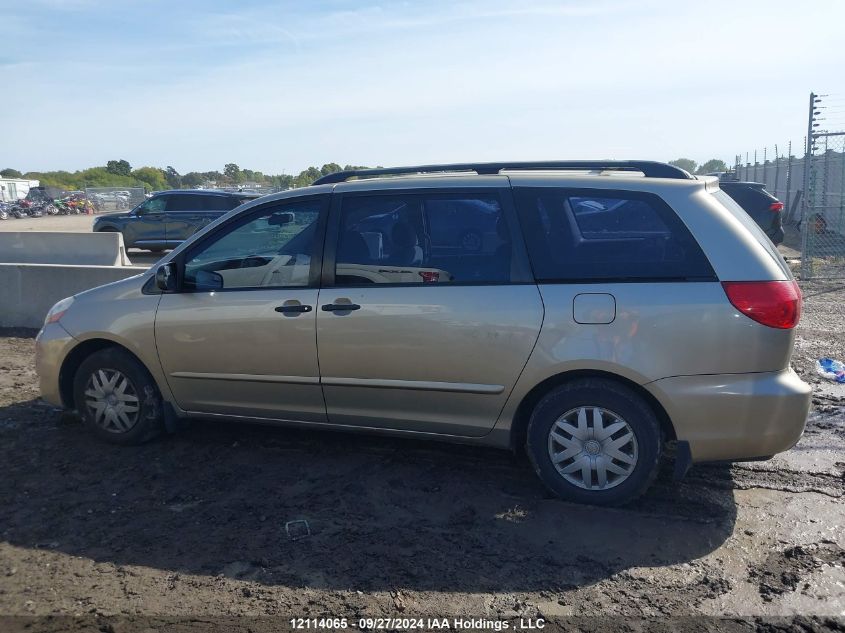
(429,358)
(232,353)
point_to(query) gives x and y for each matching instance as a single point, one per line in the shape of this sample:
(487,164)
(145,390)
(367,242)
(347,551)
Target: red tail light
(429,276)
(773,303)
(776,207)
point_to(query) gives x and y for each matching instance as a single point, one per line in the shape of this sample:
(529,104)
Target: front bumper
(735,416)
(51,347)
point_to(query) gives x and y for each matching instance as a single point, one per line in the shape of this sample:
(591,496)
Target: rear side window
(182,202)
(606,235)
(220,203)
(423,239)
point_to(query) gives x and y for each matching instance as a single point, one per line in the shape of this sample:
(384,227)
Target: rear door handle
(293,309)
(340,307)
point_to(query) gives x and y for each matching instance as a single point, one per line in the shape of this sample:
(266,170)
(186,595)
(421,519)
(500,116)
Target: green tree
(152,177)
(686,164)
(232,171)
(174,180)
(307,177)
(11,173)
(192,179)
(119,167)
(330,168)
(712,165)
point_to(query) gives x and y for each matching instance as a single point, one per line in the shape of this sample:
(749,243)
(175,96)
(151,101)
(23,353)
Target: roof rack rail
(651,169)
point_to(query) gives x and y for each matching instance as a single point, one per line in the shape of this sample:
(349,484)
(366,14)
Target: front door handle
(340,307)
(293,309)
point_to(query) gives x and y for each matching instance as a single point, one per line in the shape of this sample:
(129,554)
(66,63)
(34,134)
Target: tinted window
(220,203)
(750,198)
(423,239)
(153,205)
(606,235)
(272,248)
(183,202)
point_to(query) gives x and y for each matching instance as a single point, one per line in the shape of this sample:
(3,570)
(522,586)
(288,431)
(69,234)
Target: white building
(13,189)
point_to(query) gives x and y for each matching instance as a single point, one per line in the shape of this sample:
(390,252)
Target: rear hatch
(761,205)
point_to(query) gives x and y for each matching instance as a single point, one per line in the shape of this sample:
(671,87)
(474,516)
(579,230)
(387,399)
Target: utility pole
(807,207)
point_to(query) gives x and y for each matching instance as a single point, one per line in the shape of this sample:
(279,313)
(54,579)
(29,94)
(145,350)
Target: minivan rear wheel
(117,398)
(594,441)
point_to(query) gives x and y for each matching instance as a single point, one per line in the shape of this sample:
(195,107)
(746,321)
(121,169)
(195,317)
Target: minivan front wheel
(594,441)
(117,398)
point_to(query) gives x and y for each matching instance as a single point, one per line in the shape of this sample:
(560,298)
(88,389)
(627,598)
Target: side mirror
(209,280)
(166,277)
(140,211)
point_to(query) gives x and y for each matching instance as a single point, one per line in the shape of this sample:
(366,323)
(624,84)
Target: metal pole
(788,177)
(841,223)
(777,170)
(806,264)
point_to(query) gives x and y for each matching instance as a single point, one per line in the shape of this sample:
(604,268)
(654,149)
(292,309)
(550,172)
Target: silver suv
(591,313)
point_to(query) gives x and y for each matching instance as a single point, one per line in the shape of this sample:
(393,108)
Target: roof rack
(651,169)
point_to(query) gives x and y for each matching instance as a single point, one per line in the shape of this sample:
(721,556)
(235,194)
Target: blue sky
(278,86)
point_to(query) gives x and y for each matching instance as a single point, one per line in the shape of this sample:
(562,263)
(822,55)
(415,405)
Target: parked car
(168,218)
(610,316)
(762,206)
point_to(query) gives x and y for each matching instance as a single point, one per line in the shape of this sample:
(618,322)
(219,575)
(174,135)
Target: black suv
(764,208)
(168,218)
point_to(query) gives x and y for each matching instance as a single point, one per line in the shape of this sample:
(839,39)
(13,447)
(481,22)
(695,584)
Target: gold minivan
(588,312)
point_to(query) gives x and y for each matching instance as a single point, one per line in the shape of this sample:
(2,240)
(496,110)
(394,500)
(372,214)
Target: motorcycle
(4,210)
(26,208)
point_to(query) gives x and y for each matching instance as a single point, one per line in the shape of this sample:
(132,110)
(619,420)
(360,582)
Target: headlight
(58,310)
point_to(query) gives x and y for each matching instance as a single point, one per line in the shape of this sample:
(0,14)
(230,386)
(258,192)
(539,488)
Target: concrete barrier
(49,247)
(28,291)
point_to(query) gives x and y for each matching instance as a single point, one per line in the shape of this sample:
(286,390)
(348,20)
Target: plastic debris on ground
(831,369)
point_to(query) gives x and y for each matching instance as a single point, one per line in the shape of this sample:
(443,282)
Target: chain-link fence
(823,221)
(783,176)
(814,221)
(107,199)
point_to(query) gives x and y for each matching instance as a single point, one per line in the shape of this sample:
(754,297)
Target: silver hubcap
(593,448)
(112,399)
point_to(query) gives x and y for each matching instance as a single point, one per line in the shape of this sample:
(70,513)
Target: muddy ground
(194,525)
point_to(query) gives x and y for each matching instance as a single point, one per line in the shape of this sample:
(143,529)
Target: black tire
(148,420)
(108,229)
(613,397)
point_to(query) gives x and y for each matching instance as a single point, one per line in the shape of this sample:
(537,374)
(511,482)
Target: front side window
(153,205)
(272,248)
(423,239)
(583,235)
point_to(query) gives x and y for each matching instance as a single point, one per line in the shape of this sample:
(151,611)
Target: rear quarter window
(748,222)
(607,235)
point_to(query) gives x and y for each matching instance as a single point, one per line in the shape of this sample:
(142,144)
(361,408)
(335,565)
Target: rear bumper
(735,416)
